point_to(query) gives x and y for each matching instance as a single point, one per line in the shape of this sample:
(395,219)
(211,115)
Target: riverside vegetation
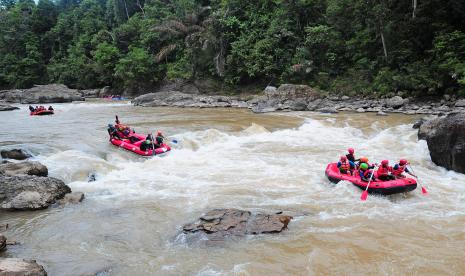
(374,47)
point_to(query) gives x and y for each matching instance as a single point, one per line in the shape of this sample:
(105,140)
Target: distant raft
(388,187)
(135,147)
(41,112)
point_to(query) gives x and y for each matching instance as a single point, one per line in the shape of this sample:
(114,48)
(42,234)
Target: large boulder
(286,97)
(20,267)
(446,140)
(218,224)
(51,93)
(165,98)
(17,154)
(26,192)
(6,107)
(293,92)
(395,102)
(24,168)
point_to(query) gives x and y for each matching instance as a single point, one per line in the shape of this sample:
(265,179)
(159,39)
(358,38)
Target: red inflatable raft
(42,112)
(135,147)
(376,187)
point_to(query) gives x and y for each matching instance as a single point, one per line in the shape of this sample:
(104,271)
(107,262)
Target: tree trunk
(414,3)
(384,45)
(126,8)
(140,7)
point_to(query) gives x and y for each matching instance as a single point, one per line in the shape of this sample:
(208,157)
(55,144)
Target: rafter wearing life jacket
(345,166)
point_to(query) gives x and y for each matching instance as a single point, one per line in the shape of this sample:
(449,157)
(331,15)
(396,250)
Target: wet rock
(26,192)
(381,113)
(460,103)
(72,198)
(360,110)
(298,105)
(330,110)
(50,93)
(17,154)
(6,107)
(20,267)
(395,102)
(221,223)
(314,105)
(345,98)
(91,93)
(25,168)
(270,89)
(92,177)
(418,123)
(2,243)
(446,141)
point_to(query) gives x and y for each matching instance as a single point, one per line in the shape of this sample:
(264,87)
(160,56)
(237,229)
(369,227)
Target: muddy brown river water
(129,222)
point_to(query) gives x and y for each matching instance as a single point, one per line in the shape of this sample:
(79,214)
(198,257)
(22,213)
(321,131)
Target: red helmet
(385,162)
(403,162)
(343,158)
(158,133)
(364,160)
(351,150)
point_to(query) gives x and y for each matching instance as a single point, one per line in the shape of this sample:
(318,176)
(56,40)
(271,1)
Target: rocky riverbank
(290,97)
(50,93)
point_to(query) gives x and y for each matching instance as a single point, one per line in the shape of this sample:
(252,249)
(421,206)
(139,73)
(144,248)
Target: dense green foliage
(346,46)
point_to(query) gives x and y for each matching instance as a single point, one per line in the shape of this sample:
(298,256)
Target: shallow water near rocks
(231,158)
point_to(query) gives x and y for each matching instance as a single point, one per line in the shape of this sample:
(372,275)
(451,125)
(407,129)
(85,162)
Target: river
(129,222)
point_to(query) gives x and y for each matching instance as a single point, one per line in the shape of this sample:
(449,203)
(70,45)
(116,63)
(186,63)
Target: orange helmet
(364,160)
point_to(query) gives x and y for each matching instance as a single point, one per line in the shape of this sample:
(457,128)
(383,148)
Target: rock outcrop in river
(27,167)
(218,224)
(26,192)
(20,267)
(51,93)
(7,107)
(446,140)
(17,154)
(179,99)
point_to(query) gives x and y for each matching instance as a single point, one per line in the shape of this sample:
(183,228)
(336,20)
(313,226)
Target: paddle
(364,195)
(153,144)
(423,189)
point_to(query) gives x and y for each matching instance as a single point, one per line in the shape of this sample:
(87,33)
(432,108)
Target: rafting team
(349,165)
(121,132)
(40,108)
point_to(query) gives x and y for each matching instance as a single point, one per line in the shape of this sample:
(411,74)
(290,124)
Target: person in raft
(50,108)
(365,160)
(350,156)
(400,168)
(366,173)
(159,139)
(147,144)
(345,166)
(31,108)
(384,171)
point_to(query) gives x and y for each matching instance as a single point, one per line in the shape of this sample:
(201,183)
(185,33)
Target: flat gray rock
(26,192)
(20,267)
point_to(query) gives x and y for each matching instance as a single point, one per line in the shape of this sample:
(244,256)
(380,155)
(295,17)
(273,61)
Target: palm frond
(164,52)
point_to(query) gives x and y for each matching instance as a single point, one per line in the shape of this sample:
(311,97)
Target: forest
(364,47)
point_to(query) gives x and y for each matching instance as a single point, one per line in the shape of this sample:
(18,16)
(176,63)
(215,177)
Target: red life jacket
(384,171)
(345,166)
(399,170)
